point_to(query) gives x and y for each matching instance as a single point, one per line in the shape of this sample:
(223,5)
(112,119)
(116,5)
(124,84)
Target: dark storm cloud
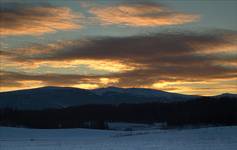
(165,49)
(126,46)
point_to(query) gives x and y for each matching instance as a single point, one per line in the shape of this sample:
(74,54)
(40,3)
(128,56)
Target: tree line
(205,110)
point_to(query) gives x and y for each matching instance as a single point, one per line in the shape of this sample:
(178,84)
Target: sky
(187,47)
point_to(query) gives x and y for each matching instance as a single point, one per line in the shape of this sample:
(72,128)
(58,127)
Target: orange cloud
(142,15)
(107,81)
(36,20)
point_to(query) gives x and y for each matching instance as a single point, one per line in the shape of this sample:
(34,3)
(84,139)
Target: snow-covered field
(213,138)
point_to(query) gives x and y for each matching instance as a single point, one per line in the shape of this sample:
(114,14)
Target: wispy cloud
(144,14)
(26,19)
(19,19)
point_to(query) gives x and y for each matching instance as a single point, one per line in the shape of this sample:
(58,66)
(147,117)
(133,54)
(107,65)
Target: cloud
(14,80)
(18,19)
(169,53)
(141,14)
(139,61)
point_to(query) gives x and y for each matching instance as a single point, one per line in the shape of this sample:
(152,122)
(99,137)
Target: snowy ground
(214,138)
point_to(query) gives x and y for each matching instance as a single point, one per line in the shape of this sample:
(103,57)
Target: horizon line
(89,89)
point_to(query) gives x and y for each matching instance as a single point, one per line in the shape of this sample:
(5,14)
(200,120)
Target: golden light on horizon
(86,86)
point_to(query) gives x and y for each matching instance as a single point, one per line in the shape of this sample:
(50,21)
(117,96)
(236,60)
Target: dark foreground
(202,111)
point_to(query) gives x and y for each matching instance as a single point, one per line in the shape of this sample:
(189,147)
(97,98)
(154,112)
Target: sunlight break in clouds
(33,56)
(86,86)
(142,15)
(36,20)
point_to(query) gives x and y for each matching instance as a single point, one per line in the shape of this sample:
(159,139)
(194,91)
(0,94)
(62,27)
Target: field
(213,138)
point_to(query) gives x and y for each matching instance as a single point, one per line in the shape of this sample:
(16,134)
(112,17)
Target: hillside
(61,97)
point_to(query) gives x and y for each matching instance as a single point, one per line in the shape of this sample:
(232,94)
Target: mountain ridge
(57,97)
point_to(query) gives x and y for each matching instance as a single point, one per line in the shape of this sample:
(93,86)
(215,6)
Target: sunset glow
(159,45)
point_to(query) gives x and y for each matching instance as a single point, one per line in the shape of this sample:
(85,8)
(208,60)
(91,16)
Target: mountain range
(62,97)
